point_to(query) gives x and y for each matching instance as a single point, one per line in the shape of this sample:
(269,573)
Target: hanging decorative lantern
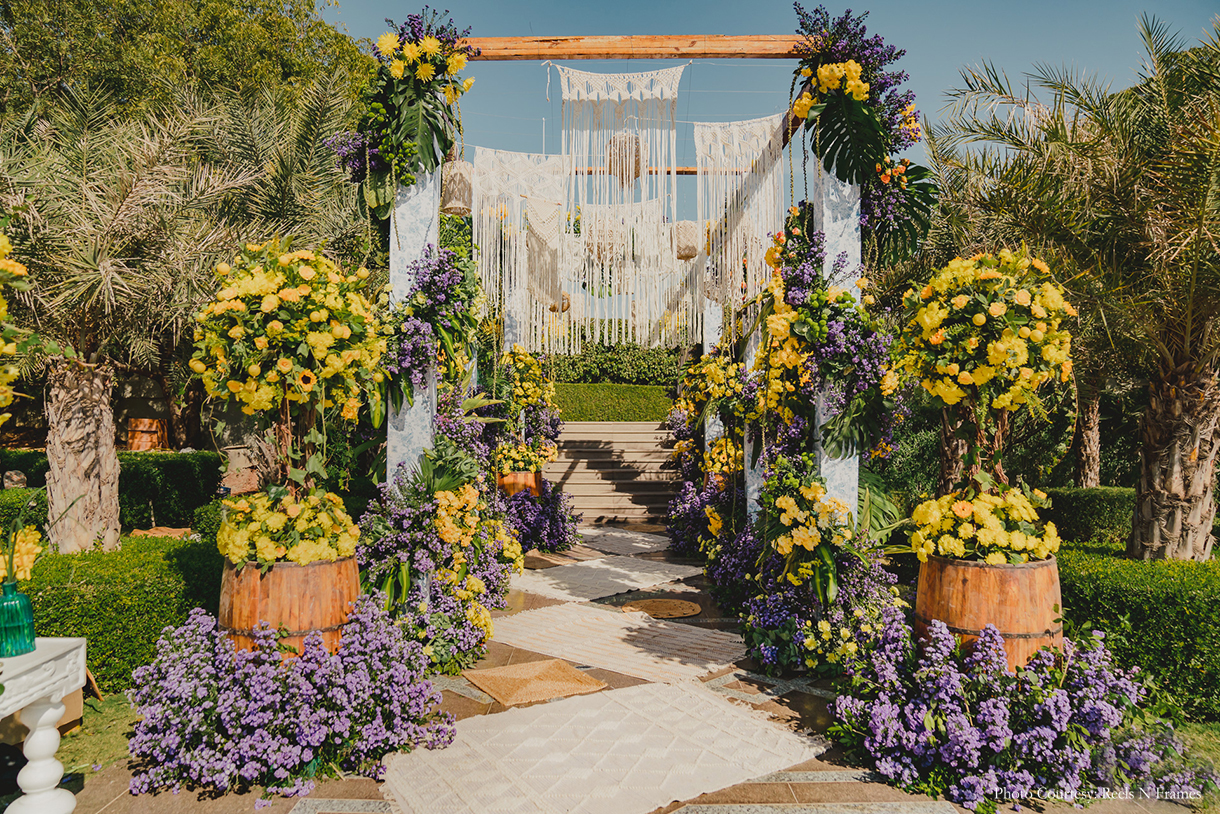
(686,239)
(626,158)
(455,188)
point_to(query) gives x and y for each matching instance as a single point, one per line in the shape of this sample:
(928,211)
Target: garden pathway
(683,718)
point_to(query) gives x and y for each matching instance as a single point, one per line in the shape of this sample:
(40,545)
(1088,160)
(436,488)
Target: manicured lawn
(611,402)
(102,736)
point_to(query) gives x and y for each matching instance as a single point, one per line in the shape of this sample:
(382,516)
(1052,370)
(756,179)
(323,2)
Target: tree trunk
(83,479)
(1180,437)
(1088,442)
(952,452)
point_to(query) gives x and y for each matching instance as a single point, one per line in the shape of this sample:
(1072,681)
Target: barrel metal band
(961,631)
(251,632)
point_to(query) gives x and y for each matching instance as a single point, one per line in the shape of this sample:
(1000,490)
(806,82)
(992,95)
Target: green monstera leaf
(900,240)
(847,136)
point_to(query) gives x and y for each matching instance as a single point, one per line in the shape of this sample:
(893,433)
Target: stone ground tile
(107,792)
(799,711)
(614,752)
(630,643)
(819,808)
(535,559)
(599,578)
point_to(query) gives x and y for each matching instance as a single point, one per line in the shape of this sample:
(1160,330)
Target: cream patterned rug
(595,579)
(625,751)
(633,644)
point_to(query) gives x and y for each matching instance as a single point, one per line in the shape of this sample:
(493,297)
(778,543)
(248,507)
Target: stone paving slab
(624,751)
(312,806)
(618,541)
(634,644)
(595,579)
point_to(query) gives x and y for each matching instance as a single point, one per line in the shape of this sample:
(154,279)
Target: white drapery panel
(740,202)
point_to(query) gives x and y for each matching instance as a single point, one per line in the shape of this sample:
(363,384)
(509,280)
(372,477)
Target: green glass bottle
(16,622)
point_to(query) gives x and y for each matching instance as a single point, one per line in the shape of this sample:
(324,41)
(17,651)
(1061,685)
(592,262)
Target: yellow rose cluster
(723,457)
(27,546)
(995,529)
(519,457)
(529,385)
(811,517)
(289,325)
(260,528)
(10,271)
(987,329)
(427,60)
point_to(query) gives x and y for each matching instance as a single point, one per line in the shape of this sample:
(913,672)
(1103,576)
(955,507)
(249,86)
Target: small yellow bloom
(387,43)
(397,68)
(425,71)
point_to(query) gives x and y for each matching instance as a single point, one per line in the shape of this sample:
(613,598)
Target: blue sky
(508,105)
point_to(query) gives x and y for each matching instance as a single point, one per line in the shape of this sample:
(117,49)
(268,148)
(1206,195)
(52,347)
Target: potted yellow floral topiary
(293,338)
(982,337)
(518,462)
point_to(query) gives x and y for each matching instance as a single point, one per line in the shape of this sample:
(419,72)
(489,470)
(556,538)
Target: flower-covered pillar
(836,207)
(414,226)
(713,329)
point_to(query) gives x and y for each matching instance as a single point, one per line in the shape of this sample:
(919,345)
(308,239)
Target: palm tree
(118,224)
(1123,188)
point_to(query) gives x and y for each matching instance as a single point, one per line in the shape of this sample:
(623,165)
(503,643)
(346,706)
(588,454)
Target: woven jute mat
(664,608)
(533,681)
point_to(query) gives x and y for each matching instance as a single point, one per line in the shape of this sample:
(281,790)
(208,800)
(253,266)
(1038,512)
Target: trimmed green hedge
(626,363)
(120,600)
(611,402)
(165,487)
(12,502)
(1082,514)
(1161,615)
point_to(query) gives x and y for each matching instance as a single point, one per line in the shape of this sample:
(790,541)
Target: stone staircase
(613,470)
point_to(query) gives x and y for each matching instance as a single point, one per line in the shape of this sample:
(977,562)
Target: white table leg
(39,779)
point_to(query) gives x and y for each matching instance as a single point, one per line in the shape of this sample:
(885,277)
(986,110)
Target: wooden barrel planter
(298,599)
(1022,601)
(515,482)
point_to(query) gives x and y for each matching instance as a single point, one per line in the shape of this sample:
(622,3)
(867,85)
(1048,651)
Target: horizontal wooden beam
(638,46)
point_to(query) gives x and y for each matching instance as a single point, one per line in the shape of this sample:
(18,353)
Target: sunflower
(306,380)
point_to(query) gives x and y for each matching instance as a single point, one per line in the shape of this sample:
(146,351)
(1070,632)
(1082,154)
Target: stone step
(609,467)
(585,475)
(642,489)
(566,443)
(613,454)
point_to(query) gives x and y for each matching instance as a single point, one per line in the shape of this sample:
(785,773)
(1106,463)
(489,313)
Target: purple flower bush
(938,719)
(546,522)
(218,718)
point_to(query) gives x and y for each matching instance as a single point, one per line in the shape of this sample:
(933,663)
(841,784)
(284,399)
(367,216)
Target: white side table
(35,685)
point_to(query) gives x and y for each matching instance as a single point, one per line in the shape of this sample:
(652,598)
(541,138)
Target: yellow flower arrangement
(521,457)
(265,529)
(994,528)
(530,385)
(27,546)
(987,330)
(803,524)
(284,322)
